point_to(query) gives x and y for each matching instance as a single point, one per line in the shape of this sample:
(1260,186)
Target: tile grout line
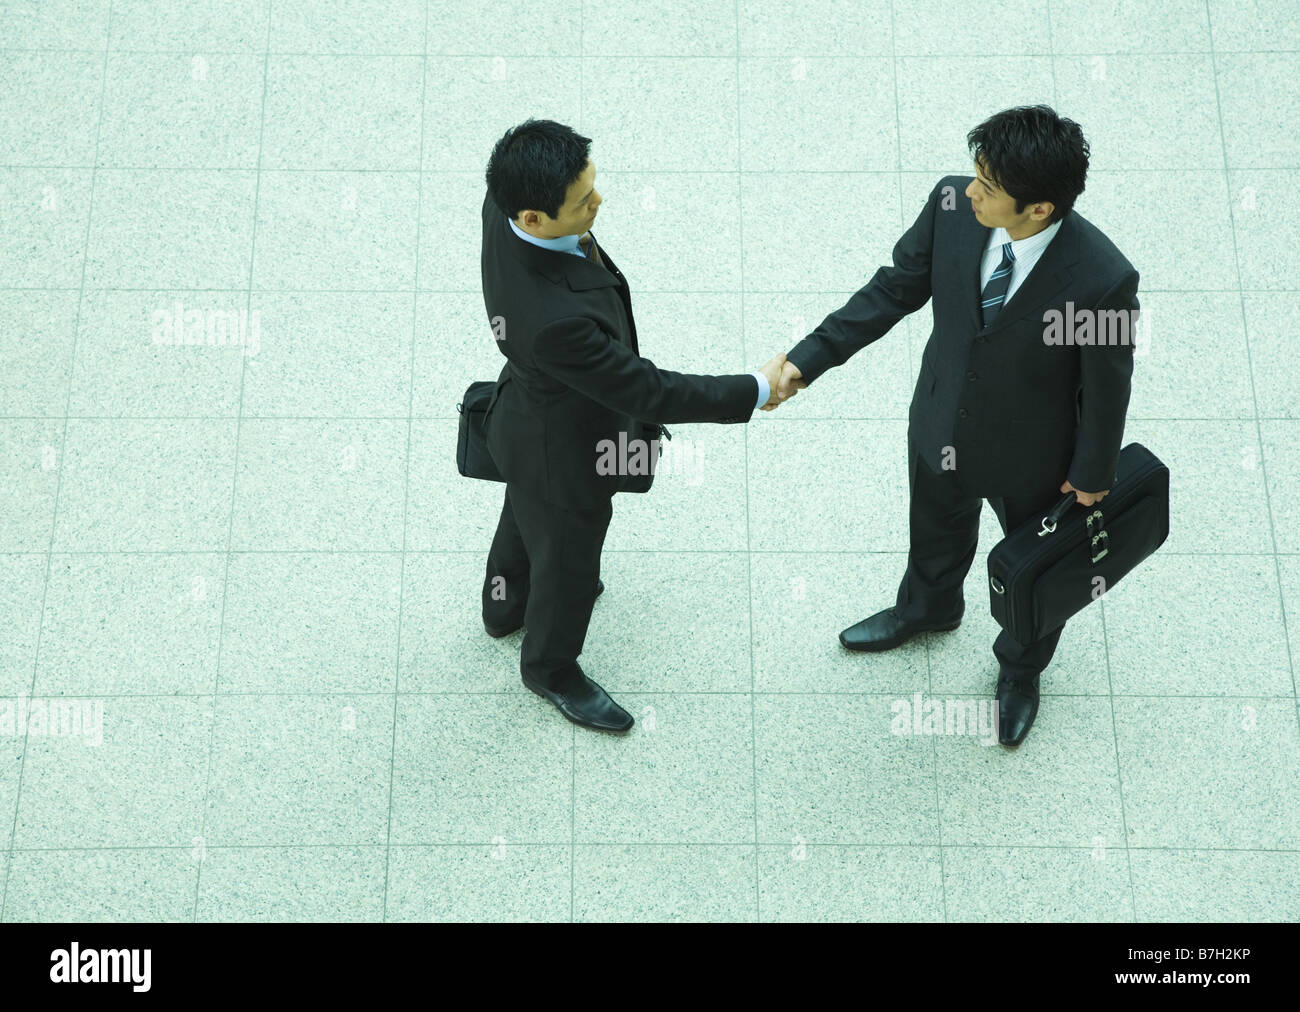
(630,843)
(448,419)
(1134,53)
(406,492)
(470,292)
(929,671)
(1101,607)
(869,693)
(234,487)
(616,551)
(1119,775)
(1250,369)
(59,461)
(920,170)
(749,544)
(573,731)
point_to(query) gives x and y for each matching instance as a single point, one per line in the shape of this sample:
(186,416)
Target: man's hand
(1085,498)
(789,384)
(790,381)
(772,371)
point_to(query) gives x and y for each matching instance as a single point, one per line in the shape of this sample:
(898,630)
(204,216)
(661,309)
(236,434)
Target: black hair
(533,166)
(1033,154)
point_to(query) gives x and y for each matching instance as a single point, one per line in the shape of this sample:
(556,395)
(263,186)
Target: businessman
(574,385)
(998,412)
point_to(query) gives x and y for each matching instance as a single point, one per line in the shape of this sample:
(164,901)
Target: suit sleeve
(1106,371)
(891,294)
(580,355)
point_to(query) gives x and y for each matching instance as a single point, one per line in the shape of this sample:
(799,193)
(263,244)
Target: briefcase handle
(1053,516)
(1098,538)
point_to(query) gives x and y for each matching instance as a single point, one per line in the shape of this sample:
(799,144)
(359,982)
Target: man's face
(581,204)
(995,208)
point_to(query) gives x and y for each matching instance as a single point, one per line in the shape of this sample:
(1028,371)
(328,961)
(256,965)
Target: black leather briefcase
(1058,563)
(472,457)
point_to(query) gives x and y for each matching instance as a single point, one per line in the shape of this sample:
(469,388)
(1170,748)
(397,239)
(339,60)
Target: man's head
(540,176)
(1030,165)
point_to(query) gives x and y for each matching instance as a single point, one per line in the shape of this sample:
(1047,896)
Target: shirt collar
(564,244)
(1032,244)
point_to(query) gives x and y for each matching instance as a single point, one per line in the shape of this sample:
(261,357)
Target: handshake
(783,379)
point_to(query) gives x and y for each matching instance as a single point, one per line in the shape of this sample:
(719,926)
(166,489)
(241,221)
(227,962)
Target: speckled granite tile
(22,586)
(347,26)
(683,774)
(489,882)
(131,884)
(311,622)
(1058,788)
(292,884)
(1210,772)
(1214,623)
(319,485)
(797,469)
(1270,321)
(331,354)
(830,771)
(296,770)
(132,777)
(342,112)
(335,230)
(1216,885)
(809,883)
(49,106)
(149,485)
(655,883)
(481,769)
(1022,884)
(158,353)
(230,25)
(163,228)
(812,597)
(43,243)
(131,624)
(182,110)
(55,24)
(36,348)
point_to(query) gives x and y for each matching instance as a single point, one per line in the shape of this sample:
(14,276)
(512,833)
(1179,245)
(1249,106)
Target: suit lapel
(1048,278)
(973,240)
(579,273)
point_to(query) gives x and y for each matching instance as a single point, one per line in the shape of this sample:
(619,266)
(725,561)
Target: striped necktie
(995,292)
(591,252)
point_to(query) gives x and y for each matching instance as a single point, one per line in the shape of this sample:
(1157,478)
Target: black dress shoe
(498,631)
(884,630)
(1017,707)
(588,705)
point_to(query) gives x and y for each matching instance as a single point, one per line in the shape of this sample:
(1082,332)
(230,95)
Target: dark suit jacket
(1021,415)
(574,375)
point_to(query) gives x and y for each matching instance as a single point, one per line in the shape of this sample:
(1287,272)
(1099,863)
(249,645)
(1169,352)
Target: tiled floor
(261,570)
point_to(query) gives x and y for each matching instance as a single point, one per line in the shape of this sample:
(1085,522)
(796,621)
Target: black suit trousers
(943,524)
(542,568)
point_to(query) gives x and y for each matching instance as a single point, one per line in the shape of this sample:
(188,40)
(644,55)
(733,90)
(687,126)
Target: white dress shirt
(1026,251)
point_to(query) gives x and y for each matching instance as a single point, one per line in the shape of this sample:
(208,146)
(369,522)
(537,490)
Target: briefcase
(472,457)
(1059,562)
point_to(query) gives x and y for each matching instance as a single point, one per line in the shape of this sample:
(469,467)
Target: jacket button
(962,412)
(970,376)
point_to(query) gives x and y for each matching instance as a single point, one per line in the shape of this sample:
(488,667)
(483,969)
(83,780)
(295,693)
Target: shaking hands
(783,379)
